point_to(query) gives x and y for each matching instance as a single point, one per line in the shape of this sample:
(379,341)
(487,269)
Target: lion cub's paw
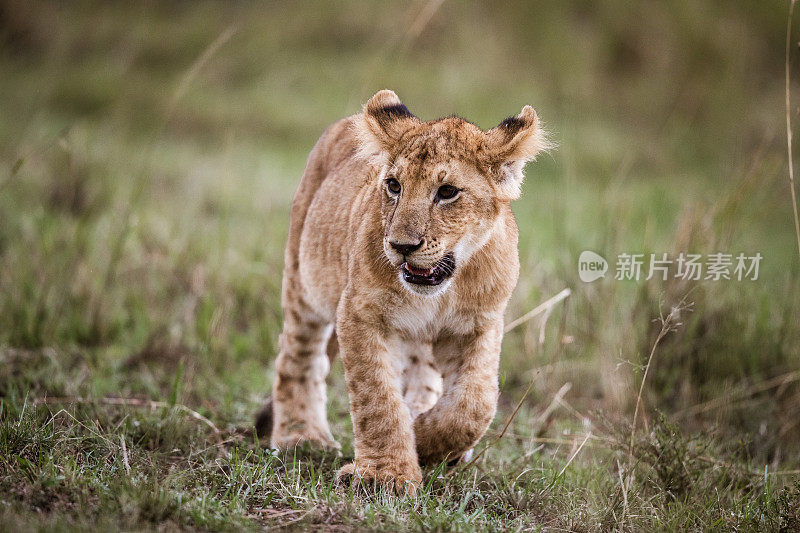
(465,458)
(307,436)
(402,481)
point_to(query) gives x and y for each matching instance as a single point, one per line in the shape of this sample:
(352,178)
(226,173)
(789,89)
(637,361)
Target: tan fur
(421,362)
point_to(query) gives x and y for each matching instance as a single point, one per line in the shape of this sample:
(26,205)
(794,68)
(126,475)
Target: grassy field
(148,156)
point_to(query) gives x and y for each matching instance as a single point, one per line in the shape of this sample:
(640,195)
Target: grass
(148,156)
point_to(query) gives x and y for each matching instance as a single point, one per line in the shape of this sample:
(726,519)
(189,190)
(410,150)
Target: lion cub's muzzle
(440,271)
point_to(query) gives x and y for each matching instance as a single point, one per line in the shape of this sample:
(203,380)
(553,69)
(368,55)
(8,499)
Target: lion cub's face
(442,185)
(437,210)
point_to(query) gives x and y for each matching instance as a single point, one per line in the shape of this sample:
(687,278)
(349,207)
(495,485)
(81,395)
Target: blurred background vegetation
(149,152)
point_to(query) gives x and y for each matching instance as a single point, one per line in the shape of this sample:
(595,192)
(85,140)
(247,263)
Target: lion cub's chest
(425,319)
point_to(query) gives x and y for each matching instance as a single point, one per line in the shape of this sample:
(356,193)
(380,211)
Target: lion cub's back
(327,192)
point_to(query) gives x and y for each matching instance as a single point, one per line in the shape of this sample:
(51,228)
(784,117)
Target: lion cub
(403,243)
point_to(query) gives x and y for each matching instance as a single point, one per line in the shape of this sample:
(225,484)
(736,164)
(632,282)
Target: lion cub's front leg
(469,365)
(382,426)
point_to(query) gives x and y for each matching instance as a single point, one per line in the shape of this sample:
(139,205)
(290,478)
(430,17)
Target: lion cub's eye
(446,192)
(393,186)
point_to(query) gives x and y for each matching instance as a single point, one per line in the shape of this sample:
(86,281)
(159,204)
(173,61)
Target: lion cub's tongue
(419,271)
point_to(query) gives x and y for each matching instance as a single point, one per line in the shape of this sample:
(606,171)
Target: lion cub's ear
(511,144)
(385,119)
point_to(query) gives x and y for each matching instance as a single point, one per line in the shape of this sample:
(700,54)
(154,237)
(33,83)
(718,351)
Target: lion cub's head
(443,184)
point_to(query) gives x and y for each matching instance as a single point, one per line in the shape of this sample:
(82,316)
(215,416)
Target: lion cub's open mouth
(430,276)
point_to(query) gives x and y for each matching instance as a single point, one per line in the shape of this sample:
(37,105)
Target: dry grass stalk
(505,428)
(421,22)
(117,246)
(543,307)
(789,125)
(125,459)
(624,490)
(668,324)
(196,67)
(544,417)
(738,395)
(574,455)
(597,442)
(132,402)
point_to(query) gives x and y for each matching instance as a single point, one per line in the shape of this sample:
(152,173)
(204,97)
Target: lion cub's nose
(404,248)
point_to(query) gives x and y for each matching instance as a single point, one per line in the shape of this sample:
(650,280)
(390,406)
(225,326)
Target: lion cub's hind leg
(422,382)
(299,397)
